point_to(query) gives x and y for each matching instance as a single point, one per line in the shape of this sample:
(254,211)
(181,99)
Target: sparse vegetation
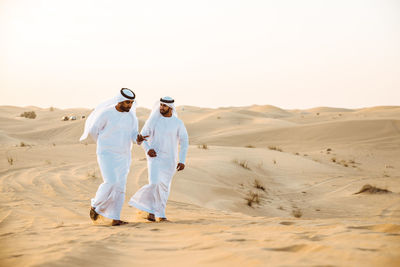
(345,163)
(257,184)
(218,117)
(250,146)
(10,160)
(91,174)
(29,114)
(203,146)
(243,163)
(252,198)
(297,153)
(372,190)
(296,212)
(275,148)
(274,161)
(23,144)
(51,108)
(328,149)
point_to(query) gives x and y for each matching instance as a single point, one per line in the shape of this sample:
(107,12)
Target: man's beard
(124,109)
(163,112)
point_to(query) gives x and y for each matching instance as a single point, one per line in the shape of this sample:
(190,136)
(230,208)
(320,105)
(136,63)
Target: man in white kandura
(164,130)
(114,126)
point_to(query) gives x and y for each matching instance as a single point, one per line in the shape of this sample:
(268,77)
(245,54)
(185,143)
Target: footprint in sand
(287,223)
(236,240)
(294,248)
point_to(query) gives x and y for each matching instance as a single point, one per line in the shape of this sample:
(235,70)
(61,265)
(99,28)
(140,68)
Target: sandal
(118,222)
(151,217)
(93,214)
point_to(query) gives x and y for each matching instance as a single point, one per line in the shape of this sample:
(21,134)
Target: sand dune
(328,109)
(307,212)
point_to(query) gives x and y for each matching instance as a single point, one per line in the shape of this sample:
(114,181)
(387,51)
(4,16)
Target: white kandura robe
(114,131)
(163,138)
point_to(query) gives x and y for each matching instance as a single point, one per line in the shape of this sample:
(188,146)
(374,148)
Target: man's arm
(136,136)
(184,143)
(98,126)
(146,132)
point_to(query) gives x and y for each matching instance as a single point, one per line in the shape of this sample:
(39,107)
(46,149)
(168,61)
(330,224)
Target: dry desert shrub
(275,148)
(296,212)
(29,114)
(243,163)
(257,184)
(23,144)
(51,108)
(91,174)
(250,146)
(10,160)
(372,190)
(252,198)
(203,146)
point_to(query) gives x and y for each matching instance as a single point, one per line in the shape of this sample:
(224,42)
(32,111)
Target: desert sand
(308,165)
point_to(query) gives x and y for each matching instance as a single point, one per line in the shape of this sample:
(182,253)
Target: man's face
(126,105)
(164,109)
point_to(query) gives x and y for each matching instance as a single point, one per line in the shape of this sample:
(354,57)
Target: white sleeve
(135,130)
(184,143)
(146,131)
(98,126)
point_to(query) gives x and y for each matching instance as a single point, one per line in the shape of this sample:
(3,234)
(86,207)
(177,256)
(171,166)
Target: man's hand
(152,153)
(180,166)
(140,138)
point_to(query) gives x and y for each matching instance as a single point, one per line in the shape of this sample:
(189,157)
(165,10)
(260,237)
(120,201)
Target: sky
(286,53)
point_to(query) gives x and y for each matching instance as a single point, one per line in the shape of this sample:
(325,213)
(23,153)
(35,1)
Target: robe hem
(103,214)
(138,206)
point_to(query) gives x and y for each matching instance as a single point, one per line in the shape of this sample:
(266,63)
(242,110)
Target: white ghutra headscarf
(124,94)
(155,113)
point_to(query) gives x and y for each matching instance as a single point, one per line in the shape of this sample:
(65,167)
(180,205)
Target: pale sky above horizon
(286,53)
